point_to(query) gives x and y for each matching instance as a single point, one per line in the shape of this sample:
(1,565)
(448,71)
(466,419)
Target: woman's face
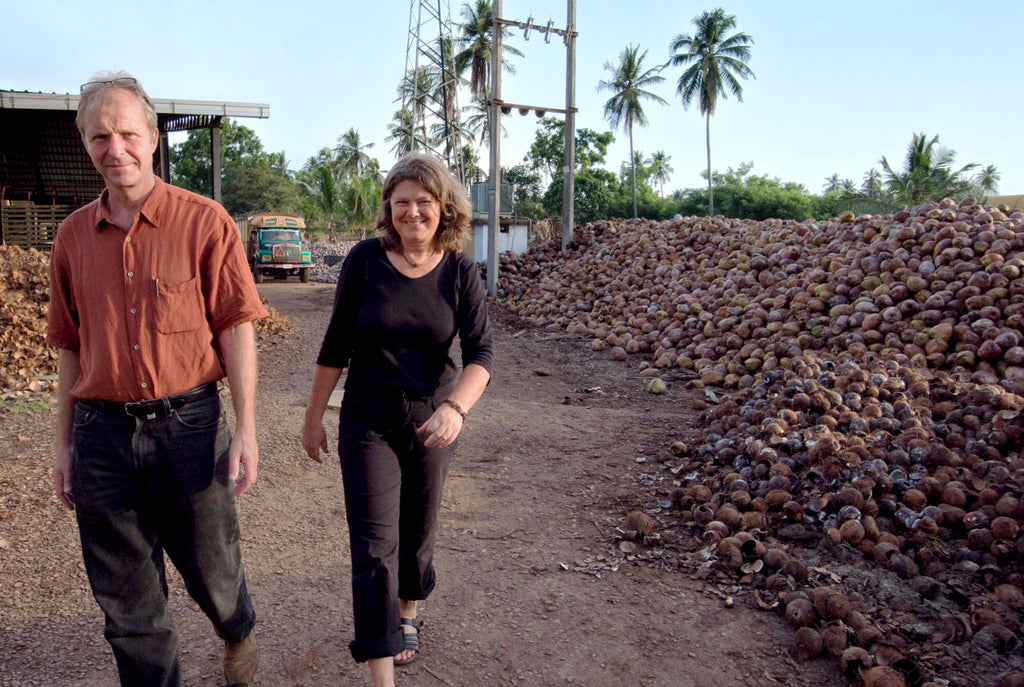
(415,212)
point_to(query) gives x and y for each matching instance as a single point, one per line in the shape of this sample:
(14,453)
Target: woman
(400,302)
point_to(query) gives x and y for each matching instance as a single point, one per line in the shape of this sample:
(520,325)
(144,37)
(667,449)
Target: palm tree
(713,60)
(351,154)
(324,157)
(415,92)
(403,131)
(832,184)
(476,43)
(927,174)
(872,184)
(629,79)
(361,199)
(326,193)
(987,180)
(659,169)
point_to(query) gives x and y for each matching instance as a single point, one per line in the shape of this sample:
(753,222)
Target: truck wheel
(257,275)
(304,275)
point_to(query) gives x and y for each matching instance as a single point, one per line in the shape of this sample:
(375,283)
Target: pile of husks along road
(863,471)
(27,364)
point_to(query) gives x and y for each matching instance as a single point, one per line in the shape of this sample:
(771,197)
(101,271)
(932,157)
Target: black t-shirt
(390,329)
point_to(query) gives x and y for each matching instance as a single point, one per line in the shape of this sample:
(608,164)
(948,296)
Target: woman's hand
(441,428)
(314,438)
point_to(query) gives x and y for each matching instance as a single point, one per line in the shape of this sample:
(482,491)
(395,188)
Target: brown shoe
(240,660)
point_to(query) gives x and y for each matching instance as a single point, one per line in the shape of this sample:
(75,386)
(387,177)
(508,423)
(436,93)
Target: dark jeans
(393,488)
(143,487)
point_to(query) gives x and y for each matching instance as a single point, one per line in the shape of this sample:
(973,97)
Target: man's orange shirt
(143,308)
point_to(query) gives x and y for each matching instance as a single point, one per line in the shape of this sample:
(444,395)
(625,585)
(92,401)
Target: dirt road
(533,588)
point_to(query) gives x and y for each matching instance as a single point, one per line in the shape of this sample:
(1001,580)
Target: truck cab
(275,246)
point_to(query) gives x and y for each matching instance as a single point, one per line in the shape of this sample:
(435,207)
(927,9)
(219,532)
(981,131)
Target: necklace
(417,265)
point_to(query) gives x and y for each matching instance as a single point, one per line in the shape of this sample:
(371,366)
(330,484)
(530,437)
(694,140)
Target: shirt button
(131,274)
(144,385)
(136,347)
(132,311)
(128,238)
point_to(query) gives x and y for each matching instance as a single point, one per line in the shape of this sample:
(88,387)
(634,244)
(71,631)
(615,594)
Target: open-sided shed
(45,173)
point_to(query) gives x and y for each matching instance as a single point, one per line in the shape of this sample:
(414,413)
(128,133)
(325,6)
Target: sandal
(412,641)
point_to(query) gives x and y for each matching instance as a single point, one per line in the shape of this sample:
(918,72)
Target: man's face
(119,140)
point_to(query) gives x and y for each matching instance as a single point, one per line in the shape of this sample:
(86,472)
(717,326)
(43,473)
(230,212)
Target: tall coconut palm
(324,157)
(927,174)
(402,130)
(351,154)
(627,84)
(477,42)
(872,184)
(659,169)
(713,61)
(361,199)
(476,118)
(987,180)
(326,191)
(415,93)
(832,184)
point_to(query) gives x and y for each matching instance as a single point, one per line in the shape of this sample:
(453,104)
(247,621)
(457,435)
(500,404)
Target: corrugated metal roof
(41,154)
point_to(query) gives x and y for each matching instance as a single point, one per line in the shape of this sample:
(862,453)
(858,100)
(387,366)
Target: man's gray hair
(101,81)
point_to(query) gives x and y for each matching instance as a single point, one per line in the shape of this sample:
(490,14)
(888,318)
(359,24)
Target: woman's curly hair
(456,210)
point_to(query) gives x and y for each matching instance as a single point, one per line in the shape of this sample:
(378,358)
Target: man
(151,304)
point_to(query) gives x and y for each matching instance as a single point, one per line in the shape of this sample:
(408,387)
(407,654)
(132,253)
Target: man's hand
(243,457)
(62,477)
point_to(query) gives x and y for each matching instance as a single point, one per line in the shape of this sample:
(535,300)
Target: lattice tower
(430,85)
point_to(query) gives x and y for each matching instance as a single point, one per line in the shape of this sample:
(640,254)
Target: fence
(25,224)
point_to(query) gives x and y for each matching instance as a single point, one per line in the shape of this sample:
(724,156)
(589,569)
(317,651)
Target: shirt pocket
(179,307)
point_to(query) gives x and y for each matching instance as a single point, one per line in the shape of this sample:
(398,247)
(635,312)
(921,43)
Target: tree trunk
(711,196)
(632,165)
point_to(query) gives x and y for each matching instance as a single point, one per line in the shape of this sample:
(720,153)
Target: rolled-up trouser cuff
(382,647)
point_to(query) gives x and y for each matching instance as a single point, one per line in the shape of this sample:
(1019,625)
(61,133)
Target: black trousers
(393,488)
(143,488)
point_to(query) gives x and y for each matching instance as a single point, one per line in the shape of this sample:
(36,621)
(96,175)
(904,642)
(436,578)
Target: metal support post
(569,184)
(494,191)
(215,160)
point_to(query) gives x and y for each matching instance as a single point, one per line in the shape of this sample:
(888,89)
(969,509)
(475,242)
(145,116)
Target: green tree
(527,186)
(477,45)
(628,83)
(361,201)
(713,61)
(927,173)
(325,156)
(547,152)
(415,92)
(351,154)
(987,180)
(595,191)
(745,195)
(324,189)
(251,178)
(477,115)
(872,184)
(660,169)
(403,132)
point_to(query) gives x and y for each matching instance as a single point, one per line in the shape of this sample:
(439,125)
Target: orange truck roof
(276,219)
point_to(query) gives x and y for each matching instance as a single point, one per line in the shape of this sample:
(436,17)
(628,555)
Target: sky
(838,85)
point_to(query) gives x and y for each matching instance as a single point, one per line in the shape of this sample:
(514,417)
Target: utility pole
(569,185)
(497,106)
(494,191)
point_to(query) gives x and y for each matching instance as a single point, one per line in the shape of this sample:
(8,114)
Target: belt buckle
(134,405)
